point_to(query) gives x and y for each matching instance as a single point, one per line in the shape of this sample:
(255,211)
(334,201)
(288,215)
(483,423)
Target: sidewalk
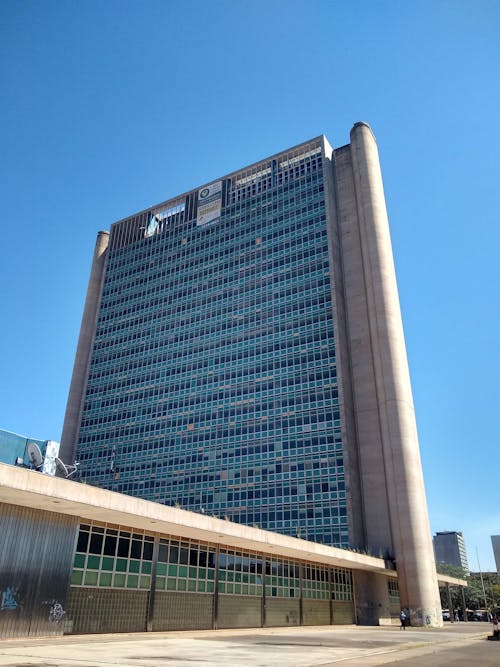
(271,647)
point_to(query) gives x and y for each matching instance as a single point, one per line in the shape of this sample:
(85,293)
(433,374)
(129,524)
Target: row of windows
(110,557)
(274,238)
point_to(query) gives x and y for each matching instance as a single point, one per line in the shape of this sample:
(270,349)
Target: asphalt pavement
(458,644)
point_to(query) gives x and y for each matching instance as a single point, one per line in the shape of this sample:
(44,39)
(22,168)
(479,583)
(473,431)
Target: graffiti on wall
(56,611)
(9,599)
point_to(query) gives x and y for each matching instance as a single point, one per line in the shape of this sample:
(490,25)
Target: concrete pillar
(403,484)
(372,598)
(72,416)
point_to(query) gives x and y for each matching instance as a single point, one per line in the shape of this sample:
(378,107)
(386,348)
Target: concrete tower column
(87,330)
(408,517)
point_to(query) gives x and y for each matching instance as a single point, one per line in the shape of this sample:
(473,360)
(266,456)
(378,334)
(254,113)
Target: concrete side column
(405,487)
(85,341)
(372,598)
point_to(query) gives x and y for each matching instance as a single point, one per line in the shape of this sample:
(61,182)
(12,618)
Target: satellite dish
(35,455)
(65,469)
(61,469)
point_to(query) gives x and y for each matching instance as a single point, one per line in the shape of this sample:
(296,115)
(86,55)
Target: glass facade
(212,382)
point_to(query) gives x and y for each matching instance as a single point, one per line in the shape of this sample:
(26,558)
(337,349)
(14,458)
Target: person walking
(403,618)
(496,632)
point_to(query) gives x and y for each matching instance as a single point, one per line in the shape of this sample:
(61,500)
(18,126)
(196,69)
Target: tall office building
(449,547)
(242,354)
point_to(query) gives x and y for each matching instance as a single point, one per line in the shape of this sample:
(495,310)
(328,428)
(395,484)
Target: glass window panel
(110,545)
(108,563)
(79,560)
(93,562)
(119,580)
(132,581)
(147,552)
(136,549)
(91,578)
(133,566)
(162,553)
(121,565)
(105,579)
(95,546)
(123,547)
(76,577)
(83,540)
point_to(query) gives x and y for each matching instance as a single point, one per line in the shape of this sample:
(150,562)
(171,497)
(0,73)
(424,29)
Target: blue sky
(111,106)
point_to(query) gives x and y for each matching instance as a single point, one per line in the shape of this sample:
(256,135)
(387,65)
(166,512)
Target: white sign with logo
(209,204)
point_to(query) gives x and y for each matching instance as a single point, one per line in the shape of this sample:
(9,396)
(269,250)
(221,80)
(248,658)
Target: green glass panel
(172,570)
(119,580)
(160,584)
(193,573)
(133,566)
(237,576)
(93,562)
(210,574)
(191,585)
(108,564)
(181,584)
(171,584)
(201,587)
(210,587)
(146,567)
(244,589)
(252,590)
(77,577)
(229,588)
(91,578)
(182,571)
(222,575)
(79,560)
(105,579)
(237,588)
(132,581)
(121,564)
(222,587)
(162,569)
(144,581)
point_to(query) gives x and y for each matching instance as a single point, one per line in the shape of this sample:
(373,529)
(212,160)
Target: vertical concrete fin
(85,341)
(403,470)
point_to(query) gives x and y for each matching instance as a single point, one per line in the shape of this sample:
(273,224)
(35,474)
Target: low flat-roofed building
(81,559)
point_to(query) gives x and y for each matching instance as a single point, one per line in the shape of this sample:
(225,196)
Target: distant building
(449,547)
(495,543)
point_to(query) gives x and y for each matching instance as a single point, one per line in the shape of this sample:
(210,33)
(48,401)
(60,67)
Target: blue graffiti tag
(9,599)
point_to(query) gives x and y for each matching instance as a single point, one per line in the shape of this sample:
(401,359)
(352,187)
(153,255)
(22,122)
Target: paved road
(458,645)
